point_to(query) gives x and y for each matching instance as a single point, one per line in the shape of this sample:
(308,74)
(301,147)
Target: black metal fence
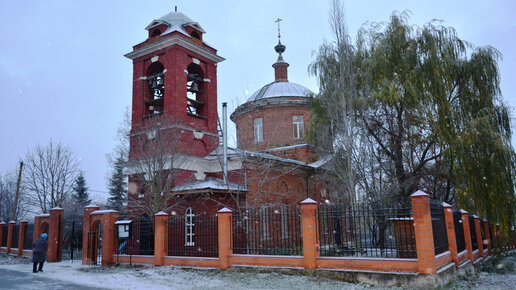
(473,232)
(29,235)
(193,235)
(267,231)
(142,240)
(439,227)
(4,236)
(346,230)
(72,240)
(16,236)
(459,230)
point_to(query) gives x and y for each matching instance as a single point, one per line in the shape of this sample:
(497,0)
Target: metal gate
(72,240)
(94,256)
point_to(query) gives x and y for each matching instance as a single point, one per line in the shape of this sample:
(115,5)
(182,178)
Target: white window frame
(299,126)
(284,221)
(258,130)
(264,216)
(189,227)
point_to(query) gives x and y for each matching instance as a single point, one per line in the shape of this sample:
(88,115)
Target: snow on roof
(43,215)
(209,183)
(280,89)
(175,18)
(322,161)
(103,211)
(175,28)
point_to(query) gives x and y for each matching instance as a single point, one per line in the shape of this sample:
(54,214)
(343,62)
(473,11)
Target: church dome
(280,89)
(175,18)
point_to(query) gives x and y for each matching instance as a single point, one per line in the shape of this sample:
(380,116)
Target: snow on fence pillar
(424,234)
(160,236)
(467,234)
(480,241)
(487,236)
(10,230)
(55,235)
(21,236)
(309,230)
(225,233)
(85,229)
(450,231)
(2,226)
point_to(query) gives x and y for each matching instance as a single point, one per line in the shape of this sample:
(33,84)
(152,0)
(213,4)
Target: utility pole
(17,191)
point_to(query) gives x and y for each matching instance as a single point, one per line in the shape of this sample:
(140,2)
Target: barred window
(189,227)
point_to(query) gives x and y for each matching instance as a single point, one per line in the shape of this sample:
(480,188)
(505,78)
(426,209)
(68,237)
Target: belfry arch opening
(195,97)
(154,98)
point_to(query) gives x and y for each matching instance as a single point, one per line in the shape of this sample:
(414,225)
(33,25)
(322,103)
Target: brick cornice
(174,40)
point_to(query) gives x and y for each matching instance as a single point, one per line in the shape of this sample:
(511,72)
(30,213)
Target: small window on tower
(156,32)
(195,35)
(258,130)
(156,84)
(299,127)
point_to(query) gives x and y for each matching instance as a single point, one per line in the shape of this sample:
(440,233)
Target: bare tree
(157,150)
(7,199)
(338,78)
(49,175)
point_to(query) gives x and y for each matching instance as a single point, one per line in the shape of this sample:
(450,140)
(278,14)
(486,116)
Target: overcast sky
(63,75)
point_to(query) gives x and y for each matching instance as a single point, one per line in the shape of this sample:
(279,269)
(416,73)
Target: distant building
(175,99)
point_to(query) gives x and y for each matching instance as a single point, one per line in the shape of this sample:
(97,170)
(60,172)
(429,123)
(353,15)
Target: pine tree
(81,195)
(117,185)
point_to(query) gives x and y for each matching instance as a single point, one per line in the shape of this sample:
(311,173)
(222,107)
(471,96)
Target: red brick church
(178,164)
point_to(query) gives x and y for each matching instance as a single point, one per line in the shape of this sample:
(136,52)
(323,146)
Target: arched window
(264,216)
(195,91)
(284,221)
(189,227)
(156,89)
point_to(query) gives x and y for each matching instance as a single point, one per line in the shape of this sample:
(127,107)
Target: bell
(191,77)
(194,88)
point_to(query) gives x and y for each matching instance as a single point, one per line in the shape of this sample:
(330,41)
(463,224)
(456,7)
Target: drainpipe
(225,140)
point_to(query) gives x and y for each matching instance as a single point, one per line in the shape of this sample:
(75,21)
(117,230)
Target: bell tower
(175,81)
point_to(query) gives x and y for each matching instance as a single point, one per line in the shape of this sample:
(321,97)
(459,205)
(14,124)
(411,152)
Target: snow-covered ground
(497,276)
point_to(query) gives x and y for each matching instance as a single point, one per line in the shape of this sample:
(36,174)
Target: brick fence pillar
(85,230)
(2,226)
(55,235)
(450,231)
(309,230)
(160,235)
(21,236)
(424,234)
(480,241)
(467,234)
(10,230)
(488,236)
(225,233)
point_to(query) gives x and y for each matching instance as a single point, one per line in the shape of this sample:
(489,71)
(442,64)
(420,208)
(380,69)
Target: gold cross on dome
(278,21)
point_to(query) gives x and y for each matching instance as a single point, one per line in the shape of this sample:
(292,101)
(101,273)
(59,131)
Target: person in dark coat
(39,253)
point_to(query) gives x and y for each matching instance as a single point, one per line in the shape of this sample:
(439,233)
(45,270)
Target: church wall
(278,128)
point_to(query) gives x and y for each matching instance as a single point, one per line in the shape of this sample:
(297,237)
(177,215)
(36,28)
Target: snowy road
(10,279)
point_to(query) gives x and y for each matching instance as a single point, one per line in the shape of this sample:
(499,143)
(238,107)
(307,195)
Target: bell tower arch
(175,80)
